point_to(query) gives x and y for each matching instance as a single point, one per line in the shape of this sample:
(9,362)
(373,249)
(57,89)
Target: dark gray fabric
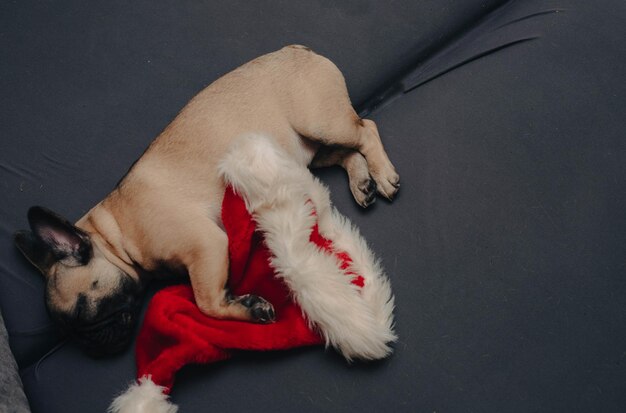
(505,245)
(12,398)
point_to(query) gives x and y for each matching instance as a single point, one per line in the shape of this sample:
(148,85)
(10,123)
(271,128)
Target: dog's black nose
(127,318)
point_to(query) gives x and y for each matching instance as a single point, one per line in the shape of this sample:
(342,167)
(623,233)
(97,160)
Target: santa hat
(288,245)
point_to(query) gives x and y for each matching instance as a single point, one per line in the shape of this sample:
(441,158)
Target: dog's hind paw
(364,192)
(388,183)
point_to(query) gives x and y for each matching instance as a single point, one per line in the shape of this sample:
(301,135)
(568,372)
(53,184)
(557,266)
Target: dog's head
(88,296)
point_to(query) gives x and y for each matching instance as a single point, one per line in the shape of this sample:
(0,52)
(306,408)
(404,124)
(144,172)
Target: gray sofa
(12,397)
(505,246)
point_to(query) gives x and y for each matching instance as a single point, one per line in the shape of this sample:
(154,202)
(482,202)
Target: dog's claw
(368,202)
(263,314)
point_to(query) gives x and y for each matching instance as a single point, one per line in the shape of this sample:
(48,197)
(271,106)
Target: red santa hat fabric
(288,245)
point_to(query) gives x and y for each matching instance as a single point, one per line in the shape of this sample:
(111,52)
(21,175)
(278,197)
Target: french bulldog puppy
(164,215)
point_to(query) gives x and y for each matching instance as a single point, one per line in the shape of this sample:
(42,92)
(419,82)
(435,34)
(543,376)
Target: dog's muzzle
(110,334)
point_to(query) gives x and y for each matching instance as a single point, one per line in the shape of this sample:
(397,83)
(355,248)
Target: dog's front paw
(260,310)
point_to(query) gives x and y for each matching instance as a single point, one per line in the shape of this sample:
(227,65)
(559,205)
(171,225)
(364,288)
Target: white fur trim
(358,322)
(145,397)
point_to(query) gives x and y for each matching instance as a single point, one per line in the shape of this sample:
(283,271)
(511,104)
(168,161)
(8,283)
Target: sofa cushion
(504,246)
(506,243)
(12,397)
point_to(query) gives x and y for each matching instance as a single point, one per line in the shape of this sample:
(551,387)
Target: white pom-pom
(145,397)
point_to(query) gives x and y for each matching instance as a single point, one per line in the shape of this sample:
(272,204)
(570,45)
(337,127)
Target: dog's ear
(53,239)
(34,250)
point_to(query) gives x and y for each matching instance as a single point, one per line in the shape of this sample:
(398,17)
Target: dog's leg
(362,186)
(335,123)
(382,170)
(207,264)
(350,131)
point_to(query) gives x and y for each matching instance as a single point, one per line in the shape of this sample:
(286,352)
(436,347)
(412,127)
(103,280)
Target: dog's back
(274,94)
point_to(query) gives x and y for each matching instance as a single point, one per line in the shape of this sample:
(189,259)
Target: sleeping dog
(164,215)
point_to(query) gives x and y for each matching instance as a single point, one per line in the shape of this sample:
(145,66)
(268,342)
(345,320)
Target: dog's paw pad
(260,310)
(263,313)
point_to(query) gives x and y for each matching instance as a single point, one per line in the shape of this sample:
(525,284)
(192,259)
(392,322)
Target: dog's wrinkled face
(88,296)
